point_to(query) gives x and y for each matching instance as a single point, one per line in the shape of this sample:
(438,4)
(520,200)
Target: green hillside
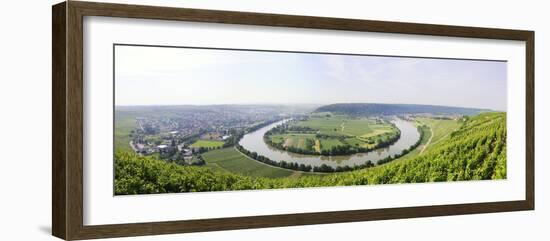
(375,109)
(231,160)
(476,151)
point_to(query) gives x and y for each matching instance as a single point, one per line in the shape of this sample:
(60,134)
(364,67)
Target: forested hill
(373,109)
(476,151)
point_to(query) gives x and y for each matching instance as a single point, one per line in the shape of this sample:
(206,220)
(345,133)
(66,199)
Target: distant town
(181,134)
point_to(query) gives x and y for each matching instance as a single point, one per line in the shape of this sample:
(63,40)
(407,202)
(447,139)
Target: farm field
(207,144)
(231,160)
(322,134)
(340,125)
(328,143)
(124,124)
(440,128)
(432,129)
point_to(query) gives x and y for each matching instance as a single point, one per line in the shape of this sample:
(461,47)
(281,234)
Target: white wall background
(25,123)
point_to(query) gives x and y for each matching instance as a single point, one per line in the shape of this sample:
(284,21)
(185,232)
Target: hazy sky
(178,76)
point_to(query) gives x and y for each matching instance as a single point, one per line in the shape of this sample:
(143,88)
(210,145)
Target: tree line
(421,130)
(384,140)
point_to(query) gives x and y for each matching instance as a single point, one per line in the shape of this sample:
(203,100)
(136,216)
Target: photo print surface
(204,119)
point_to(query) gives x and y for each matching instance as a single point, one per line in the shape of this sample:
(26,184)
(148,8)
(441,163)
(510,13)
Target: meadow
(207,144)
(125,123)
(231,160)
(333,134)
(434,130)
(441,128)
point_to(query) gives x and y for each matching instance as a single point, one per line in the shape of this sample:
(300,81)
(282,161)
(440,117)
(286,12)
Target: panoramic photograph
(204,119)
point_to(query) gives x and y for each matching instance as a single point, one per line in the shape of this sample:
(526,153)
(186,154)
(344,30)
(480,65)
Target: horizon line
(290,104)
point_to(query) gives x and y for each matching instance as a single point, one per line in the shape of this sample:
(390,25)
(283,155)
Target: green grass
(278,138)
(326,144)
(327,126)
(207,143)
(125,122)
(440,128)
(299,140)
(231,160)
(341,125)
(355,142)
(359,127)
(378,130)
(338,130)
(426,134)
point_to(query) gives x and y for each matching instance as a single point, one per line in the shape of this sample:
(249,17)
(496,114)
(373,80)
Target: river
(254,142)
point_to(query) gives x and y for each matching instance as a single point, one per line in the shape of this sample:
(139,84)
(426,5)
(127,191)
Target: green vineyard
(476,150)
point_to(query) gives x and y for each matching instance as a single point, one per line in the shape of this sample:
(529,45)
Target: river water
(254,142)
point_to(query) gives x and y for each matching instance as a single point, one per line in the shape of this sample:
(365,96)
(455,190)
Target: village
(182,137)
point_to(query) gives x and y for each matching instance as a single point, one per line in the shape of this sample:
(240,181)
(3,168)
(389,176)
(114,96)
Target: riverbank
(332,136)
(253,143)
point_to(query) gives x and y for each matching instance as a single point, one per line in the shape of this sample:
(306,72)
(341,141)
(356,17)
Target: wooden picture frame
(67,123)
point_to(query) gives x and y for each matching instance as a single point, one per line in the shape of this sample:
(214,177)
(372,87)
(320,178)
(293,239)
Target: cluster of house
(215,136)
(167,145)
(185,151)
(172,136)
(171,145)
